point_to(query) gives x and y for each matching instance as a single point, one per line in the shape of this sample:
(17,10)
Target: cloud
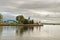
(48,5)
(43,9)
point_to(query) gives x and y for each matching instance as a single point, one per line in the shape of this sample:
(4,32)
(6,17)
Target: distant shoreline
(51,23)
(20,25)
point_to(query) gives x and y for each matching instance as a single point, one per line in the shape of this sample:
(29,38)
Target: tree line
(22,20)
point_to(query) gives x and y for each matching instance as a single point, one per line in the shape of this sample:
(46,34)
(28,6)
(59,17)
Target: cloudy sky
(44,10)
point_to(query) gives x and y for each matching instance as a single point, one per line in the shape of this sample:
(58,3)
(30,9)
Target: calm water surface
(46,32)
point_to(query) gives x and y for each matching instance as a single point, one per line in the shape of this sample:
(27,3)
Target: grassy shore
(20,25)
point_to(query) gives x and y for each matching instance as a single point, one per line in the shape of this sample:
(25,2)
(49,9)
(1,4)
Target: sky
(44,10)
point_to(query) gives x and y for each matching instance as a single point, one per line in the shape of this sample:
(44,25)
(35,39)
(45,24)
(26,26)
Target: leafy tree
(20,19)
(1,17)
(31,22)
(25,21)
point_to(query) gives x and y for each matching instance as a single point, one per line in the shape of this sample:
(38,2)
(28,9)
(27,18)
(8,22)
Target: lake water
(46,32)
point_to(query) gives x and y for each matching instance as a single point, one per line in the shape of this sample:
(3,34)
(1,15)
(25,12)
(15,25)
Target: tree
(31,22)
(1,17)
(20,18)
(25,21)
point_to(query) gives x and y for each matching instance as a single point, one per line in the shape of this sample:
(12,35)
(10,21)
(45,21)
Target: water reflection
(1,29)
(47,32)
(21,29)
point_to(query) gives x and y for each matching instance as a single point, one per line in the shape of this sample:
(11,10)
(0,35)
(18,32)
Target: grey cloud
(48,5)
(26,7)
